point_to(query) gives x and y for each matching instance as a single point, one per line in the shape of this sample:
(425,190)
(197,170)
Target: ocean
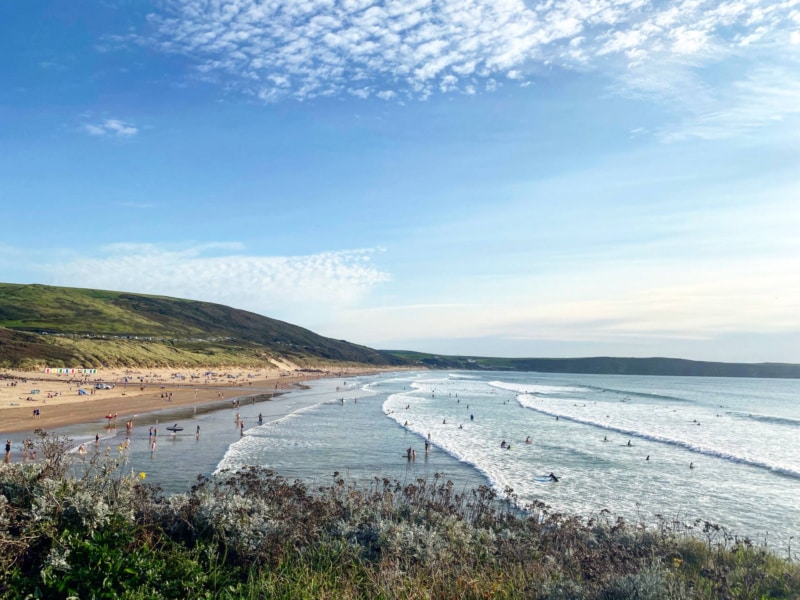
(682,449)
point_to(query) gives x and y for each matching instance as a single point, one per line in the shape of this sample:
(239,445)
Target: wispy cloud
(282,286)
(764,96)
(414,48)
(111,127)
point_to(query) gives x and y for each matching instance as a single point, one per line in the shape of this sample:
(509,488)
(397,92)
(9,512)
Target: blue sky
(508,178)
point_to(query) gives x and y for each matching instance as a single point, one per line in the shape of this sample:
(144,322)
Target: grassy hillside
(68,326)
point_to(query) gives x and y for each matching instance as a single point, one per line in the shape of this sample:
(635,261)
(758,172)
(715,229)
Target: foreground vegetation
(86,530)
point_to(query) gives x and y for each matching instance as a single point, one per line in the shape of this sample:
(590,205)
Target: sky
(551,178)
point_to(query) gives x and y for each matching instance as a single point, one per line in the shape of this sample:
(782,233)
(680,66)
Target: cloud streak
(112,128)
(295,287)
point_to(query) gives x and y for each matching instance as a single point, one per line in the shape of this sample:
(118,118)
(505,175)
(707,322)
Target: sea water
(719,450)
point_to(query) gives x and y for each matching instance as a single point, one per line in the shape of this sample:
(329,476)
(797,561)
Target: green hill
(61,326)
(70,327)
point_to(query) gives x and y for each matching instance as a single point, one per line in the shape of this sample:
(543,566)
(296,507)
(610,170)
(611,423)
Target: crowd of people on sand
(27,448)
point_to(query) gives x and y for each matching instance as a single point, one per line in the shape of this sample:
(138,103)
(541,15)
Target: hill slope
(81,327)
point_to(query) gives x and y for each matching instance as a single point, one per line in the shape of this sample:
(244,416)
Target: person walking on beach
(197,433)
(8,451)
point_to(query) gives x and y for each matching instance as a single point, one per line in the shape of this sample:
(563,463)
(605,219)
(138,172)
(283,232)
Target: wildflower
(676,562)
(142,474)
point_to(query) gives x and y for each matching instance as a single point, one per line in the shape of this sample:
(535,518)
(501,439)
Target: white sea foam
(740,436)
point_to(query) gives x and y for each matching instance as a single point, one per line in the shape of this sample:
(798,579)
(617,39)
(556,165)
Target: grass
(90,530)
(73,327)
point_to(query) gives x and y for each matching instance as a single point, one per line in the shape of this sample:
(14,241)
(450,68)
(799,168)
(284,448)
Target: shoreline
(143,392)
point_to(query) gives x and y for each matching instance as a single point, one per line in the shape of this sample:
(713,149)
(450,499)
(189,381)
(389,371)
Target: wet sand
(135,391)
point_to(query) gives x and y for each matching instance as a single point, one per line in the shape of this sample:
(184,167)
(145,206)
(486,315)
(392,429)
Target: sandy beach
(66,399)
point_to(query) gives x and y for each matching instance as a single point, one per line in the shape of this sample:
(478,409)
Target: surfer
(629,443)
(605,438)
(552,476)
(528,440)
(691,465)
(503,444)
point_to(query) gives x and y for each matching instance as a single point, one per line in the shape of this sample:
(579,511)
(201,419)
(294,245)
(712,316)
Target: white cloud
(416,47)
(112,127)
(289,287)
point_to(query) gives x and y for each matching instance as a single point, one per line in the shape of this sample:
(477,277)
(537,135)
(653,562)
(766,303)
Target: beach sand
(134,391)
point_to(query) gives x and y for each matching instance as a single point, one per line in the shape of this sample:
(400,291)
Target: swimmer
(691,465)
